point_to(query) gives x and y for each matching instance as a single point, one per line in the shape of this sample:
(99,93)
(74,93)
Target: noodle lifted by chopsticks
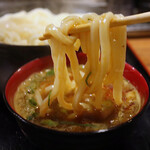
(105,48)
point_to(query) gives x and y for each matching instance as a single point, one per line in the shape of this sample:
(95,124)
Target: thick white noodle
(105,49)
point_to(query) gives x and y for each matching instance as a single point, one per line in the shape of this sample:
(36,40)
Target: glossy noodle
(105,48)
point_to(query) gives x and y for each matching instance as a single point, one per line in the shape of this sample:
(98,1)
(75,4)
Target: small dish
(44,137)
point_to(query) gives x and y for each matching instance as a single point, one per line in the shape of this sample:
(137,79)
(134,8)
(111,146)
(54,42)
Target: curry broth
(88,119)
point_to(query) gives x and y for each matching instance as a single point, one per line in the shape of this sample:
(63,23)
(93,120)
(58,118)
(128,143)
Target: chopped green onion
(87,125)
(67,122)
(49,95)
(32,116)
(64,111)
(52,123)
(32,102)
(50,72)
(49,122)
(86,80)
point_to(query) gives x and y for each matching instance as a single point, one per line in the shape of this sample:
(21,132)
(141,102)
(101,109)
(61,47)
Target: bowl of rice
(19,37)
(24,28)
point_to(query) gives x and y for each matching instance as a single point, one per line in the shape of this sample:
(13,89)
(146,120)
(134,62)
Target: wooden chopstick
(129,20)
(133,19)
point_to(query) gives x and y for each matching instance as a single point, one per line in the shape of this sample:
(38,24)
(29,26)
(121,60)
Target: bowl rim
(90,133)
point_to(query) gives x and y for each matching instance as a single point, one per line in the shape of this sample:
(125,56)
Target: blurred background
(126,7)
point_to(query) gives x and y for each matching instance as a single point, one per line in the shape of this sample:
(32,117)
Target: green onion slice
(86,80)
(52,123)
(33,115)
(49,122)
(50,72)
(49,95)
(32,102)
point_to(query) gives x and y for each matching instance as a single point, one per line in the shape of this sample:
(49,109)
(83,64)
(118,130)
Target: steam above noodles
(105,48)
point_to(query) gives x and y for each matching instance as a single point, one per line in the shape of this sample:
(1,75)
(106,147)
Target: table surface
(141,48)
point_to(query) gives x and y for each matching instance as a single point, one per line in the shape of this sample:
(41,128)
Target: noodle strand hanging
(105,49)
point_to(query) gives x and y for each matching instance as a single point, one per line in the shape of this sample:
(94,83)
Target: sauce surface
(40,84)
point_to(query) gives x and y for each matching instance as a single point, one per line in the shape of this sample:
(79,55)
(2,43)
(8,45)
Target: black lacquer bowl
(48,138)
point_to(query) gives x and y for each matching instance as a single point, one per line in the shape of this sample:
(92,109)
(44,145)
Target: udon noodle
(81,97)
(105,48)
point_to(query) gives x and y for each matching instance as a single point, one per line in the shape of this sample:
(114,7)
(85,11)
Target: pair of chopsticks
(128,20)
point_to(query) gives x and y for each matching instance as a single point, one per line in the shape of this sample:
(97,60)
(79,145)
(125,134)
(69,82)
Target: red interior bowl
(34,132)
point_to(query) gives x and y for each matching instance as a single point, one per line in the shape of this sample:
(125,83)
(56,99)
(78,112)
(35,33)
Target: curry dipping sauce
(38,87)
